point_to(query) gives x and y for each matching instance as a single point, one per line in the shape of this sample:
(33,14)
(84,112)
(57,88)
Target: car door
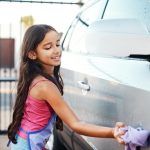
(103,91)
(90,97)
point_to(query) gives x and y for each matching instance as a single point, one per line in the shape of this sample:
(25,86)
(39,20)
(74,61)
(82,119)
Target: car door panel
(104,104)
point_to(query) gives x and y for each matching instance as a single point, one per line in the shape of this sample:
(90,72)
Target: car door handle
(83,85)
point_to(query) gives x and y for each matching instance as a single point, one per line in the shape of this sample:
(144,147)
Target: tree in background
(27,21)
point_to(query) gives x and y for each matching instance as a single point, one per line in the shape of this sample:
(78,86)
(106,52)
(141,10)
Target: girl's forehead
(51,36)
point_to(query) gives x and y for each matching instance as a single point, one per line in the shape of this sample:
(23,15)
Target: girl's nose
(57,49)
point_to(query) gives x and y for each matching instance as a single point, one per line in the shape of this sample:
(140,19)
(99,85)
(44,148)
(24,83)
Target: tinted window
(129,9)
(78,29)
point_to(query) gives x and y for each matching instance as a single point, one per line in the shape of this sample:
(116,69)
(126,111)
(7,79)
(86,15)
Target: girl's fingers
(118,132)
(121,132)
(118,137)
(120,124)
(120,140)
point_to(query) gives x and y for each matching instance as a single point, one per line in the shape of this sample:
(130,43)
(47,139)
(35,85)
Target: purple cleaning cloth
(134,137)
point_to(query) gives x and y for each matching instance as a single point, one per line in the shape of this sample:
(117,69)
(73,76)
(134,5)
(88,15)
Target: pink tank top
(37,113)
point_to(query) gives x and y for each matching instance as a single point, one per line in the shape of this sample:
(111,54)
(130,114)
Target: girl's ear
(32,55)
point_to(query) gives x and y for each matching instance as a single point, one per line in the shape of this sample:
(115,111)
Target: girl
(39,95)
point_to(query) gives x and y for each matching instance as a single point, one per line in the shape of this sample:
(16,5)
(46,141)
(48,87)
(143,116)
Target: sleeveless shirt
(37,113)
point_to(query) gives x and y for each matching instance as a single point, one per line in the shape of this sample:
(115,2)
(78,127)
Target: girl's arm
(49,91)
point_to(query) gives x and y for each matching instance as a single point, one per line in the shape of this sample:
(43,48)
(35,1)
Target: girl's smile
(56,58)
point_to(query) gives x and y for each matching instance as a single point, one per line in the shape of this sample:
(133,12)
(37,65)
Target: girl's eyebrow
(58,40)
(49,43)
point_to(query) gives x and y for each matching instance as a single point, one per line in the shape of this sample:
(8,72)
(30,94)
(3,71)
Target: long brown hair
(29,69)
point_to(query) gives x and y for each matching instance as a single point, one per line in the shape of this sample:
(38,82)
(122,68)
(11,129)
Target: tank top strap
(32,85)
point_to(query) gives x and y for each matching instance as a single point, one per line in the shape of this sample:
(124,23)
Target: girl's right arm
(48,91)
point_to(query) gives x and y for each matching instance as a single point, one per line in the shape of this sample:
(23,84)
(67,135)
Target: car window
(78,29)
(110,10)
(139,9)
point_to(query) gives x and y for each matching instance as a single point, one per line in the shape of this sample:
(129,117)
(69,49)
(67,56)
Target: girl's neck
(50,71)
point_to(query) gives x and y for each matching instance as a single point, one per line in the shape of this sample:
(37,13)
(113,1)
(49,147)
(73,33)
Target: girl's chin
(57,64)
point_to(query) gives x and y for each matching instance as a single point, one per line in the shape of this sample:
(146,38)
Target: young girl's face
(48,51)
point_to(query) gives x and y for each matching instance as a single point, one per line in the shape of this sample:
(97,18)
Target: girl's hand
(118,133)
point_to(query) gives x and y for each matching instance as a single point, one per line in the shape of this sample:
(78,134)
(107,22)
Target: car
(106,69)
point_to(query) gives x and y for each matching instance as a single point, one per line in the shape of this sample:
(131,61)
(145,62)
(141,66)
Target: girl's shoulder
(37,86)
(37,80)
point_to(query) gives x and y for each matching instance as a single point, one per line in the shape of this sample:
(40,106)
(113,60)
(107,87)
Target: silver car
(106,69)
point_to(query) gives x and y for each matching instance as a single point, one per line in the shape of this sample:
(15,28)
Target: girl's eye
(58,45)
(47,48)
